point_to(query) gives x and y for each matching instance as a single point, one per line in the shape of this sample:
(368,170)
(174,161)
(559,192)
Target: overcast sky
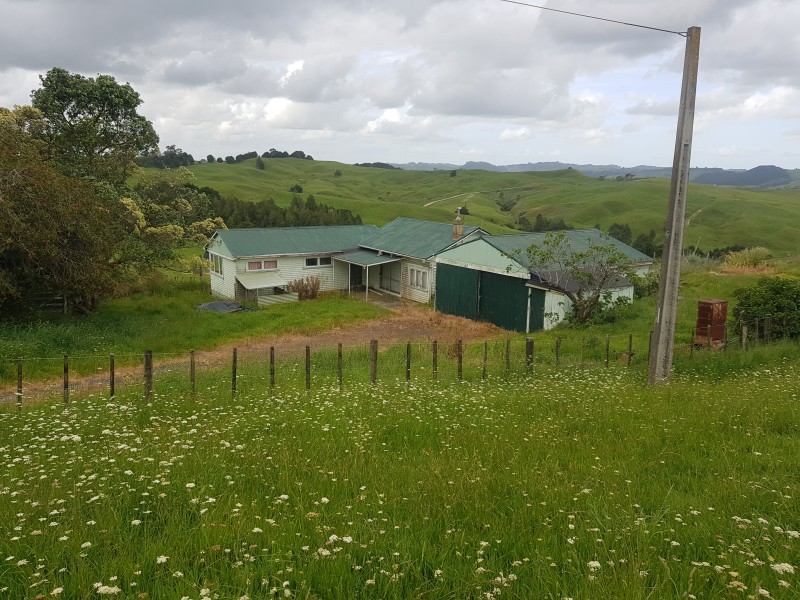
(430,80)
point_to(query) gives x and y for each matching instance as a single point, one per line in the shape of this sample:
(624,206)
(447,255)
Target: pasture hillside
(717,217)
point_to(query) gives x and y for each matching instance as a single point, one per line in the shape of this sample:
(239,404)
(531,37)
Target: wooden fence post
(608,347)
(485,356)
(308,368)
(768,329)
(460,355)
(148,375)
(339,364)
(744,337)
(558,350)
(66,379)
(630,348)
(408,362)
(373,361)
(755,333)
(435,348)
(528,353)
(111,376)
(691,345)
(649,345)
(272,367)
(19,381)
(192,371)
(234,365)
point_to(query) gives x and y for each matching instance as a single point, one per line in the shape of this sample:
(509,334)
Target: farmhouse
(491,279)
(258,264)
(398,258)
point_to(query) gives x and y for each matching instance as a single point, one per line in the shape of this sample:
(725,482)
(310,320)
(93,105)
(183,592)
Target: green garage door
(503,301)
(483,296)
(457,291)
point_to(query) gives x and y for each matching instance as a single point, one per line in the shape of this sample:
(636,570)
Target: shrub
(307,288)
(776,297)
(746,259)
(646,285)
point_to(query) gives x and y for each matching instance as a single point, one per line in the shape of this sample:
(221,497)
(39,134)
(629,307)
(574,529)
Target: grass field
(568,484)
(163,318)
(718,217)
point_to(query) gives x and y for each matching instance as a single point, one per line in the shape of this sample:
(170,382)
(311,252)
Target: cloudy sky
(430,80)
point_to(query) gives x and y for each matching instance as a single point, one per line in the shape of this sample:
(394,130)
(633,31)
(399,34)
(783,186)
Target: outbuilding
(491,279)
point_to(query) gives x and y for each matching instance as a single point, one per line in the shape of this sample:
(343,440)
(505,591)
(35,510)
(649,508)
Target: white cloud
(516,135)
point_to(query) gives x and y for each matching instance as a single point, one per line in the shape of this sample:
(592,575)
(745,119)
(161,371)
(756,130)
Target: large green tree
(59,233)
(92,127)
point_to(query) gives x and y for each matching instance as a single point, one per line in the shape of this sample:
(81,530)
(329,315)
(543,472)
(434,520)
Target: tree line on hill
(240,214)
(173,157)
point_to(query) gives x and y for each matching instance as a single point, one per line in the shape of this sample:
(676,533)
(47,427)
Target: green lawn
(163,319)
(570,483)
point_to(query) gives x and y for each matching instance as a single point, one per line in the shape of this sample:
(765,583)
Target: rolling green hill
(717,217)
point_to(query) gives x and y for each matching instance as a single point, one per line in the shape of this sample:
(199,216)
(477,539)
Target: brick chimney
(458,226)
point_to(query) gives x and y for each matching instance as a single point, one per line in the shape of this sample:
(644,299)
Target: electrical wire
(566,12)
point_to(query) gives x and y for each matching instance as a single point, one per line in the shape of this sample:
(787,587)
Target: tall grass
(569,483)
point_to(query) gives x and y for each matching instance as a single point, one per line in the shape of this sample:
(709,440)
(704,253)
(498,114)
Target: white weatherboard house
(491,279)
(397,259)
(257,264)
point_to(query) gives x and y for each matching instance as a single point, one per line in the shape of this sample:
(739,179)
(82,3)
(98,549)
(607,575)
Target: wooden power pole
(663,339)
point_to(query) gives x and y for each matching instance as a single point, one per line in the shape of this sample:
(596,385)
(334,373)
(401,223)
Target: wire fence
(247,369)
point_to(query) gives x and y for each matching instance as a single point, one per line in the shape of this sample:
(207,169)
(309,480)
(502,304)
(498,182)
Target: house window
(261,265)
(324,261)
(216,264)
(418,279)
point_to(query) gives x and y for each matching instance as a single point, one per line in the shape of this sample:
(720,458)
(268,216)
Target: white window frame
(314,262)
(418,278)
(216,264)
(262,265)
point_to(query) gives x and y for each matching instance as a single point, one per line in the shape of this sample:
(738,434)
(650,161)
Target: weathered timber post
(460,355)
(308,368)
(608,348)
(630,348)
(435,348)
(528,353)
(508,354)
(558,350)
(19,381)
(111,376)
(234,366)
(408,362)
(272,367)
(485,356)
(373,361)
(192,372)
(339,364)
(148,375)
(66,379)
(744,337)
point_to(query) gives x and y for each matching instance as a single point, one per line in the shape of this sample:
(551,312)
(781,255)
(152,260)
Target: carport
(359,264)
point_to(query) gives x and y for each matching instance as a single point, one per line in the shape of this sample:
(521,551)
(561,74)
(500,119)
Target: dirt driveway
(405,323)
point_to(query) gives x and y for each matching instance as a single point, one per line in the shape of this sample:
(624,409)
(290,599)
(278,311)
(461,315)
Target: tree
(59,232)
(92,126)
(210,158)
(621,231)
(260,163)
(584,274)
(453,173)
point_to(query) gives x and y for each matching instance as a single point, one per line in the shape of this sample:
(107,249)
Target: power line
(566,12)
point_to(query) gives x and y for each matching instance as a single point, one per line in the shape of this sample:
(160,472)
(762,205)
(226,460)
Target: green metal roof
(580,240)
(234,243)
(412,238)
(366,258)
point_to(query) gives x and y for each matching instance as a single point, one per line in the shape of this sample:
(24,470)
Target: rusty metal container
(711,330)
